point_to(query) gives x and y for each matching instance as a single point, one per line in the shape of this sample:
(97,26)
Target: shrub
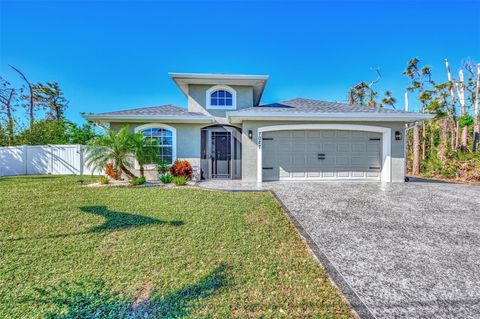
(111,171)
(103,180)
(166,178)
(181,168)
(179,180)
(163,167)
(137,181)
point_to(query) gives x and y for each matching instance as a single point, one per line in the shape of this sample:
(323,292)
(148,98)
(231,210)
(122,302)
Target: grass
(75,252)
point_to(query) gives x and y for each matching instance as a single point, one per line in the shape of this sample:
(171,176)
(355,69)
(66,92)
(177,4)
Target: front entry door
(221,154)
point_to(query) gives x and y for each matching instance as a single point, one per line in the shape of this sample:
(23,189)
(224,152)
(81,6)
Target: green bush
(137,181)
(167,178)
(104,180)
(179,180)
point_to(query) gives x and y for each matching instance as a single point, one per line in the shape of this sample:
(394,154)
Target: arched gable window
(221,97)
(165,136)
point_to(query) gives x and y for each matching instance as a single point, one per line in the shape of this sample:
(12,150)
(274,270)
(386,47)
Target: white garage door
(321,155)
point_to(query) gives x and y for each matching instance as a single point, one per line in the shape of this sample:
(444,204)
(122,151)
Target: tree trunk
(454,140)
(475,113)
(460,85)
(416,150)
(424,138)
(10,122)
(142,170)
(127,171)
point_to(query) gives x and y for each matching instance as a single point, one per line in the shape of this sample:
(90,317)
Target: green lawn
(68,251)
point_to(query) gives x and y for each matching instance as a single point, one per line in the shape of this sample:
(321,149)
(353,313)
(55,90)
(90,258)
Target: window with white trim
(164,140)
(221,97)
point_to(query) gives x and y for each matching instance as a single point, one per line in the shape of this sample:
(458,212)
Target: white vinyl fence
(43,159)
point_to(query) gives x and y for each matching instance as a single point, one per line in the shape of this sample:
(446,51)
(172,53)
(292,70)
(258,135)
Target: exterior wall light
(250,134)
(398,135)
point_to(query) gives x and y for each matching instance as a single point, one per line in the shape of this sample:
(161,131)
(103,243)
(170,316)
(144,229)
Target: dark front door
(221,154)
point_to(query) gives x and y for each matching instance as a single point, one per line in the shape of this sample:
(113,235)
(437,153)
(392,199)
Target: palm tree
(146,151)
(113,147)
(388,100)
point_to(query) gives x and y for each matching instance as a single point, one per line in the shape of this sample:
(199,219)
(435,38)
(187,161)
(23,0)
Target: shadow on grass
(119,220)
(113,221)
(93,300)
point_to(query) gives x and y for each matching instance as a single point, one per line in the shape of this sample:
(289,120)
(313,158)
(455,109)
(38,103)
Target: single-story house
(225,132)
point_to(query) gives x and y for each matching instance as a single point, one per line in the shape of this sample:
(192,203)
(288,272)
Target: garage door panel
(327,134)
(298,134)
(314,147)
(343,174)
(358,147)
(294,155)
(329,147)
(283,147)
(343,134)
(299,147)
(299,161)
(343,147)
(358,134)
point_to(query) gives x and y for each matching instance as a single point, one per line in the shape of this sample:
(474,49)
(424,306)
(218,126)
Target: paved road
(397,251)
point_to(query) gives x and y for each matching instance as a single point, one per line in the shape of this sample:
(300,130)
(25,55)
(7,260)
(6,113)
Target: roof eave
(149,118)
(238,117)
(258,82)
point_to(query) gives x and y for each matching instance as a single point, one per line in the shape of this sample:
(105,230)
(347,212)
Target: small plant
(182,168)
(111,171)
(166,179)
(179,180)
(104,180)
(163,167)
(137,181)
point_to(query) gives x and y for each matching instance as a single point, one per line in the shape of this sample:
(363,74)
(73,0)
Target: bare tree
(454,124)
(475,113)
(31,97)
(460,86)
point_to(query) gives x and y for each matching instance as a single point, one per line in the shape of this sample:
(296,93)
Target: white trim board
(386,174)
(239,116)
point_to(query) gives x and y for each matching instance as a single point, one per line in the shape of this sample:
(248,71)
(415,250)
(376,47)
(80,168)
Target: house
(227,133)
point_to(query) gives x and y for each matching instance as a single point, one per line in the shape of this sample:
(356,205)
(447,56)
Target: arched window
(165,137)
(221,97)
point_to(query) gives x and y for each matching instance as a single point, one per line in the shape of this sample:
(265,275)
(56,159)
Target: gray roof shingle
(154,110)
(300,105)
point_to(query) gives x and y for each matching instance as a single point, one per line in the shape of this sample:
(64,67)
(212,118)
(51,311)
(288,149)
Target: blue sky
(110,55)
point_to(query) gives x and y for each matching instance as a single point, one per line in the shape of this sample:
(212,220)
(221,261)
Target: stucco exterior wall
(197,99)
(188,140)
(249,147)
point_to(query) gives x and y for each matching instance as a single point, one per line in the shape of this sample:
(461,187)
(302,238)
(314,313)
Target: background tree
(363,94)
(388,100)
(418,78)
(8,96)
(50,97)
(31,97)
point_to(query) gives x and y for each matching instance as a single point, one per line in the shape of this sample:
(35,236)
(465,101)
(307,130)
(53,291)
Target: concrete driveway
(396,251)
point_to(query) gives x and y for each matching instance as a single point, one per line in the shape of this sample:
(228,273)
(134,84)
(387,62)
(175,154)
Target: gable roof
(304,109)
(167,112)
